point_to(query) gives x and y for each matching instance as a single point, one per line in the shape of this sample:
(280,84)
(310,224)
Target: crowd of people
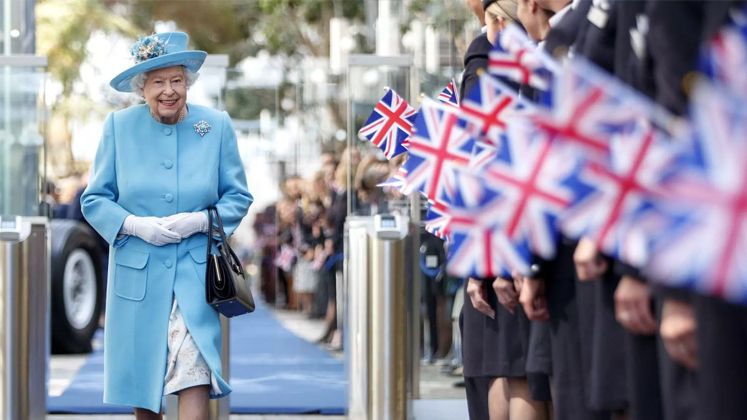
(584,337)
(301,237)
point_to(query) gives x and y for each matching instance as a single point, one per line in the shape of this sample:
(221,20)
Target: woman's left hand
(186,224)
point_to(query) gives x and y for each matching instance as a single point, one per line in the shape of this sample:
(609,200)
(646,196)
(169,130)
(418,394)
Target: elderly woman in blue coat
(158,167)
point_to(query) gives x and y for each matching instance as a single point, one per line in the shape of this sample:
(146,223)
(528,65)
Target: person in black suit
(553,293)
(494,338)
(700,332)
(476,57)
(657,388)
(477,386)
(471,320)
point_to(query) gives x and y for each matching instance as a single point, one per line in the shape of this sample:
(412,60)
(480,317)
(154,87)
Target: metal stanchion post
(413,273)
(377,364)
(24,317)
(413,313)
(357,319)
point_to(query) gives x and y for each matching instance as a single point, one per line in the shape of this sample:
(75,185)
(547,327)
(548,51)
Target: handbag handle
(225,250)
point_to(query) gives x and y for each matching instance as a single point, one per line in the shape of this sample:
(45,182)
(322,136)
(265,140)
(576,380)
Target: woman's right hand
(506,292)
(150,230)
(533,299)
(476,293)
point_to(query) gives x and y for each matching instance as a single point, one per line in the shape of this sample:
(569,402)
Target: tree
(214,26)
(63,30)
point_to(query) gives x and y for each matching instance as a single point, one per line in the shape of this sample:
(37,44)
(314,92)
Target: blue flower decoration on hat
(148,47)
(158,51)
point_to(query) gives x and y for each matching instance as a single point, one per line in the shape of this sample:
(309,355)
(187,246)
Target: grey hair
(138,81)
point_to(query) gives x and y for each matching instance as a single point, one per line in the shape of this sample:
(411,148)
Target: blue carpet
(272,372)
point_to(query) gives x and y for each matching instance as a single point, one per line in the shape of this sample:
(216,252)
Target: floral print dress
(186,367)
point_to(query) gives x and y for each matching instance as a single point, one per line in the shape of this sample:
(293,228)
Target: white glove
(150,230)
(186,224)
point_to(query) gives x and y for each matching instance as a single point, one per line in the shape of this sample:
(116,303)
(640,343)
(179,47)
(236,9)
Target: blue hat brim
(192,60)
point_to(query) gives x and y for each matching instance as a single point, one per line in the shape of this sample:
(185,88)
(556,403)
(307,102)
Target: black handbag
(226,288)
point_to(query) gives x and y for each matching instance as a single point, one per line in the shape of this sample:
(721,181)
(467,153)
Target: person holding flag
(702,333)
(553,287)
(495,338)
(485,396)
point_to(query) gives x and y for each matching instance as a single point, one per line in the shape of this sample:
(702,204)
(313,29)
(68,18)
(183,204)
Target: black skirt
(535,341)
(607,374)
(539,351)
(472,325)
(722,359)
(570,362)
(644,392)
(492,346)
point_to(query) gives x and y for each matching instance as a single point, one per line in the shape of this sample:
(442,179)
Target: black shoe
(459,384)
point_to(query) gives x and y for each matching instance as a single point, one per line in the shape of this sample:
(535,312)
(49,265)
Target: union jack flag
(449,95)
(725,57)
(390,124)
(285,258)
(621,199)
(482,154)
(396,181)
(517,58)
(536,176)
(478,246)
(489,105)
(589,107)
(440,144)
(707,252)
(437,220)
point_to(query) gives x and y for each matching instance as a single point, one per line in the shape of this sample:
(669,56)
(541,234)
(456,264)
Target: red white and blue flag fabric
(478,247)
(516,58)
(390,124)
(589,107)
(490,105)
(483,153)
(724,59)
(619,201)
(536,177)
(440,144)
(396,181)
(437,220)
(285,258)
(449,95)
(706,251)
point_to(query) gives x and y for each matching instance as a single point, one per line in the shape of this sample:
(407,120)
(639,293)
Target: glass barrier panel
(23,117)
(253,109)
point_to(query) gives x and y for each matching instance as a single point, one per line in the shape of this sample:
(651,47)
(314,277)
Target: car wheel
(77,281)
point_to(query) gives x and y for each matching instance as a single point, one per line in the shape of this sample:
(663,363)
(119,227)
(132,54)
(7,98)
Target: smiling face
(165,92)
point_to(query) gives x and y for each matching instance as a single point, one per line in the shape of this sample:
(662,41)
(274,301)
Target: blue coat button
(168,197)
(168,164)
(167,131)
(168,263)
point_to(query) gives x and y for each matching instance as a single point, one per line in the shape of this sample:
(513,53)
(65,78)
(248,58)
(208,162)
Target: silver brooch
(202,127)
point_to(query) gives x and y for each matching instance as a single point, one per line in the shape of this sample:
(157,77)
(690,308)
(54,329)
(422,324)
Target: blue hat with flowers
(157,52)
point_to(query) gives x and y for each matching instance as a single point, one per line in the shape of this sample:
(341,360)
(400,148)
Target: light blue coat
(146,168)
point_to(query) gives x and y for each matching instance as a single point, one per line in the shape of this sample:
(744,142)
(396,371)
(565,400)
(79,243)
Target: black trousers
(430,302)
(722,360)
